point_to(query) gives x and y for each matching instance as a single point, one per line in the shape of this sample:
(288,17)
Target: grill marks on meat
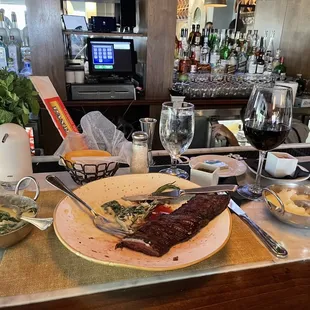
(156,237)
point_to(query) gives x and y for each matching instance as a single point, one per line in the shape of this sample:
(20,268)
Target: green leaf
(35,107)
(25,110)
(9,79)
(6,116)
(18,111)
(25,119)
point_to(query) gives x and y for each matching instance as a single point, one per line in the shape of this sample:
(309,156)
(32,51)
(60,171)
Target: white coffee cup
(79,77)
(205,174)
(70,77)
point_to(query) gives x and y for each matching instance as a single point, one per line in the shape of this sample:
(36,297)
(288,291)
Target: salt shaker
(139,160)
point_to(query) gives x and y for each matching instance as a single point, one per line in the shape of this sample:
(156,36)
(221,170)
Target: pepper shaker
(139,160)
(148,125)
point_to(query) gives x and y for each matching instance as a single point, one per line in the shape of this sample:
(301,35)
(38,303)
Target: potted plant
(17,99)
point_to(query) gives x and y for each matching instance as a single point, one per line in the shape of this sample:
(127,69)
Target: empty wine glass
(176,131)
(267,122)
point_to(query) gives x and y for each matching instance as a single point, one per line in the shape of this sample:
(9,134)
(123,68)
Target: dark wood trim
(103,34)
(285,286)
(202,103)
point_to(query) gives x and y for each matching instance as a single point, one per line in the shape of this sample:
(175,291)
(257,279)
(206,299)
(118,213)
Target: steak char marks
(156,237)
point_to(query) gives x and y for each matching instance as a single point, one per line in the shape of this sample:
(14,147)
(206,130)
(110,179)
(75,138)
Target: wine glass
(267,122)
(176,131)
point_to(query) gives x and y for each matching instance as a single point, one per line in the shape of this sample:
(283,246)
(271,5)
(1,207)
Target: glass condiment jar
(139,159)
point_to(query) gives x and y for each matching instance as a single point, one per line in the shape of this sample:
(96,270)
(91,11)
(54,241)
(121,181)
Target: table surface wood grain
(285,286)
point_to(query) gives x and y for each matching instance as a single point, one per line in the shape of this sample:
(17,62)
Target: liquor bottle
(205,52)
(14,31)
(182,34)
(191,38)
(248,43)
(242,59)
(25,49)
(281,68)
(212,38)
(265,42)
(3,30)
(184,41)
(224,52)
(255,40)
(268,67)
(3,54)
(197,36)
(197,53)
(14,55)
(252,62)
(260,64)
(302,83)
(276,60)
(232,63)
(176,47)
(202,39)
(25,32)
(237,40)
(186,33)
(270,47)
(215,55)
(185,64)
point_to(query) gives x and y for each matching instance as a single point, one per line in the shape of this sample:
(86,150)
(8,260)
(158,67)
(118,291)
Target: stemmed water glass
(176,131)
(267,122)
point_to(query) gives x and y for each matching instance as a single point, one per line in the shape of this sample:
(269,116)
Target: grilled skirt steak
(156,237)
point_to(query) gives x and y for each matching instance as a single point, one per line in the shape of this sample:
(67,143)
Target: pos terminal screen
(111,56)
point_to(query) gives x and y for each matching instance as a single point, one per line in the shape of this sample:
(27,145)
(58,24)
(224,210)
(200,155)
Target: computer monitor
(109,56)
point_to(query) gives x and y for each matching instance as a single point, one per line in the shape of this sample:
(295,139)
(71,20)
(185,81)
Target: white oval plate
(235,167)
(300,179)
(75,229)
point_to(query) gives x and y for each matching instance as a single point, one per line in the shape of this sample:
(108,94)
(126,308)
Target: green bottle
(281,68)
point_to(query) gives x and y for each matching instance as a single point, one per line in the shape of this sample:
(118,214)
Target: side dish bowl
(12,233)
(280,210)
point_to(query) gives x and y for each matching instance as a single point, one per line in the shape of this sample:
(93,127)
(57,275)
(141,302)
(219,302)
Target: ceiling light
(216,3)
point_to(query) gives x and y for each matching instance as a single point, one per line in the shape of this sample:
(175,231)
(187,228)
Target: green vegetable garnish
(166,187)
(128,217)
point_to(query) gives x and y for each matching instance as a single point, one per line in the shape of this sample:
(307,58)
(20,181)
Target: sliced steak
(156,237)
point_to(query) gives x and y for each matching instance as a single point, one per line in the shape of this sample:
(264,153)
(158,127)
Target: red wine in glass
(266,139)
(267,122)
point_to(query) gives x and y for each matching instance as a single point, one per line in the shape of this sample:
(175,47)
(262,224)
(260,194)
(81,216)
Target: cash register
(111,67)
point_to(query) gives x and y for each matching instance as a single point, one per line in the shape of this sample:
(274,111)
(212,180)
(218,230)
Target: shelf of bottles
(214,57)
(14,46)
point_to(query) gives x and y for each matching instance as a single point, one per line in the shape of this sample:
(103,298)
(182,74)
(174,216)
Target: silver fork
(99,221)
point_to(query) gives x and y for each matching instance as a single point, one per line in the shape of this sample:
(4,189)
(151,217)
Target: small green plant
(17,99)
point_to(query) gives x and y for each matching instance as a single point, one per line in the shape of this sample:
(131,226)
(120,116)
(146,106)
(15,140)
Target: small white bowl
(280,164)
(205,174)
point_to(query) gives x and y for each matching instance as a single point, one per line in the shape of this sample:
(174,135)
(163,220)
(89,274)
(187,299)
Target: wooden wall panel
(290,19)
(270,15)
(160,46)
(46,41)
(295,41)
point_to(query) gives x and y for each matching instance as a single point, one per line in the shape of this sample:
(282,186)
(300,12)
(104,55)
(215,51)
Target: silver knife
(176,193)
(277,249)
